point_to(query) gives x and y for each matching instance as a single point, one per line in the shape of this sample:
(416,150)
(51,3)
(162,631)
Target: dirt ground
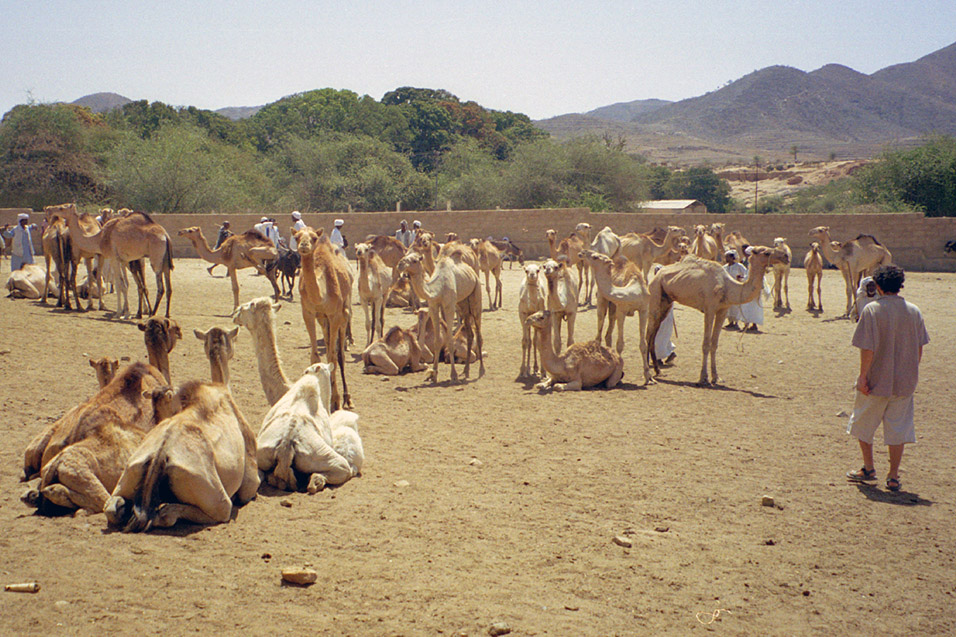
(487,502)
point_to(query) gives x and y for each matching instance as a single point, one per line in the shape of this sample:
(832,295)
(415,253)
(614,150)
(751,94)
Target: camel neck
(219,371)
(203,249)
(274,382)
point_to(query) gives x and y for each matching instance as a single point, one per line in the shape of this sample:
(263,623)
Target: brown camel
(780,263)
(217,343)
(85,241)
(56,253)
(855,258)
(628,297)
(644,249)
(703,285)
(247,250)
(813,265)
(738,242)
(161,335)
(716,231)
(582,365)
(704,246)
(570,249)
(389,249)
(393,353)
(105,369)
(561,300)
(489,262)
(79,458)
(325,292)
(454,284)
(374,282)
(531,299)
(196,465)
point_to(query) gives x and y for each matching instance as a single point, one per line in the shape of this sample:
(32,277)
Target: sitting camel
(217,343)
(562,300)
(105,369)
(780,263)
(704,285)
(301,445)
(27,283)
(80,457)
(531,299)
(191,466)
(813,264)
(393,353)
(582,365)
(247,250)
(374,282)
(628,298)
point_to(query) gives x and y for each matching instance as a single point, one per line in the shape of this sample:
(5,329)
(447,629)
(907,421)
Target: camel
(258,316)
(325,293)
(125,239)
(642,249)
(627,299)
(389,249)
(192,466)
(681,250)
(393,353)
(161,335)
(56,253)
(716,231)
(855,258)
(80,457)
(509,251)
(430,341)
(780,263)
(105,369)
(374,283)
(217,343)
(27,283)
(400,293)
(813,265)
(561,300)
(703,285)
(623,271)
(570,248)
(489,262)
(426,246)
(739,243)
(247,250)
(704,246)
(454,284)
(68,253)
(531,299)
(301,445)
(582,365)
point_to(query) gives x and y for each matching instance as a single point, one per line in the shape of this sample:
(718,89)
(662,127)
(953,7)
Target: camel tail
(144,509)
(168,256)
(283,469)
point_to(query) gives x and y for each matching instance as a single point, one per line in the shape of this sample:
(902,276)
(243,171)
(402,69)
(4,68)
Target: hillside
(236,113)
(102,102)
(832,111)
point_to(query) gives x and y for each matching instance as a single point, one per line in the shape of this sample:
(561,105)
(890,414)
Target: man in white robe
(737,272)
(22,248)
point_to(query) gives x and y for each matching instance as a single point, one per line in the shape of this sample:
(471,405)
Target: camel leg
(440,343)
(309,319)
(369,327)
(121,284)
(705,346)
(819,298)
(378,316)
(525,349)
(46,281)
(203,499)
(556,319)
(571,318)
(250,481)
(168,513)
(602,307)
(715,339)
(653,326)
(78,486)
(449,312)
(786,287)
(235,287)
(850,290)
(100,279)
(611,314)
(271,275)
(810,305)
(381,364)
(160,291)
(340,349)
(616,376)
(574,385)
(491,299)
(498,287)
(167,276)
(642,321)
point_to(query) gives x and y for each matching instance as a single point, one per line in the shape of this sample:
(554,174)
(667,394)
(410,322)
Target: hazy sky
(539,58)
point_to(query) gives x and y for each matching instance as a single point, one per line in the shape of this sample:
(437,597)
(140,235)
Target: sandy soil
(513,498)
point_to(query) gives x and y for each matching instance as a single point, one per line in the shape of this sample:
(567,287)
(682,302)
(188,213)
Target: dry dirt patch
(513,499)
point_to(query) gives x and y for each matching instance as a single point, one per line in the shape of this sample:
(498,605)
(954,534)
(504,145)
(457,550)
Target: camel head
(551,234)
(362,251)
(474,243)
(539,320)
(819,232)
(700,229)
(584,228)
(554,269)
(305,240)
(451,236)
(531,272)
(62,210)
(779,241)
(190,232)
(676,231)
(161,333)
(760,256)
(410,263)
(597,260)
(323,371)
(683,247)
(217,342)
(814,246)
(255,312)
(166,402)
(105,369)
(717,229)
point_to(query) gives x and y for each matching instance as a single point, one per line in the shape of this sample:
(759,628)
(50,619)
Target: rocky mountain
(102,102)
(833,110)
(626,111)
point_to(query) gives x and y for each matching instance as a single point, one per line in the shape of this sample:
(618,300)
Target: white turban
(263,220)
(749,250)
(731,253)
(416,224)
(339,223)
(296,215)
(23,217)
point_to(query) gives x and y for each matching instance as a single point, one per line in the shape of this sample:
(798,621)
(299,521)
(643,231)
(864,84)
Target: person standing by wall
(403,234)
(21,249)
(890,336)
(224,233)
(337,238)
(297,224)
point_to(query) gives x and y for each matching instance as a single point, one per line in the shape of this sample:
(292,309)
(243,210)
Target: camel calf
(191,466)
(813,264)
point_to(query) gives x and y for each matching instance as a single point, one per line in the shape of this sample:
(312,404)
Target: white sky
(539,58)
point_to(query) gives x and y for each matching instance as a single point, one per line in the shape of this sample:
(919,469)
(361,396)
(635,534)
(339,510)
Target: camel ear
(200,335)
(92,363)
(233,333)
(320,232)
(276,307)
(141,326)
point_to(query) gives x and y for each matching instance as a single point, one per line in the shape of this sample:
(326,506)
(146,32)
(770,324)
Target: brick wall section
(915,241)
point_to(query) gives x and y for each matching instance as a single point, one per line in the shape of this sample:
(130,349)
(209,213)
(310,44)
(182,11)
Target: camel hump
(394,336)
(868,237)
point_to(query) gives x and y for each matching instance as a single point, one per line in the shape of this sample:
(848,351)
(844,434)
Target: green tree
(700,183)
(923,178)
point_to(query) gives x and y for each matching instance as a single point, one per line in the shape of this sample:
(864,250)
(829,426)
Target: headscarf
(339,223)
(296,215)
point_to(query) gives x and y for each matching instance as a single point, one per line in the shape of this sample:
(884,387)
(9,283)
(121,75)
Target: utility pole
(756,178)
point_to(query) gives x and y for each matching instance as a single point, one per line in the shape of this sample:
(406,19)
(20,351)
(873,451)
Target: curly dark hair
(889,278)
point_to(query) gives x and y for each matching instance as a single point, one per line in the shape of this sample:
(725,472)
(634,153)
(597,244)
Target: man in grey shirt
(890,335)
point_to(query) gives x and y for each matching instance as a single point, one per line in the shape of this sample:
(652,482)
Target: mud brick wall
(915,241)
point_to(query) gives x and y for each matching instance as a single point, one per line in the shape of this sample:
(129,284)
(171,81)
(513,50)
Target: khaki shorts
(895,412)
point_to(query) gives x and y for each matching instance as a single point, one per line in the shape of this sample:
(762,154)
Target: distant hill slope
(833,109)
(236,113)
(626,111)
(102,102)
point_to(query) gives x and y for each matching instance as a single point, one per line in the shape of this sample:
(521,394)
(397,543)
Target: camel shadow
(712,387)
(781,311)
(836,319)
(814,312)
(899,498)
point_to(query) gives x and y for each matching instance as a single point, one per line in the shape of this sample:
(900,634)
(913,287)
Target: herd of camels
(148,454)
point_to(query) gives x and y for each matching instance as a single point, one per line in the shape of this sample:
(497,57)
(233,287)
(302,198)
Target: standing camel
(454,284)
(854,258)
(325,292)
(570,249)
(813,264)
(562,300)
(781,271)
(374,283)
(642,249)
(247,250)
(628,298)
(77,249)
(703,285)
(704,246)
(531,297)
(489,261)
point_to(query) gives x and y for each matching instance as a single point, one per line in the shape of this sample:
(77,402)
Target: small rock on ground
(499,628)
